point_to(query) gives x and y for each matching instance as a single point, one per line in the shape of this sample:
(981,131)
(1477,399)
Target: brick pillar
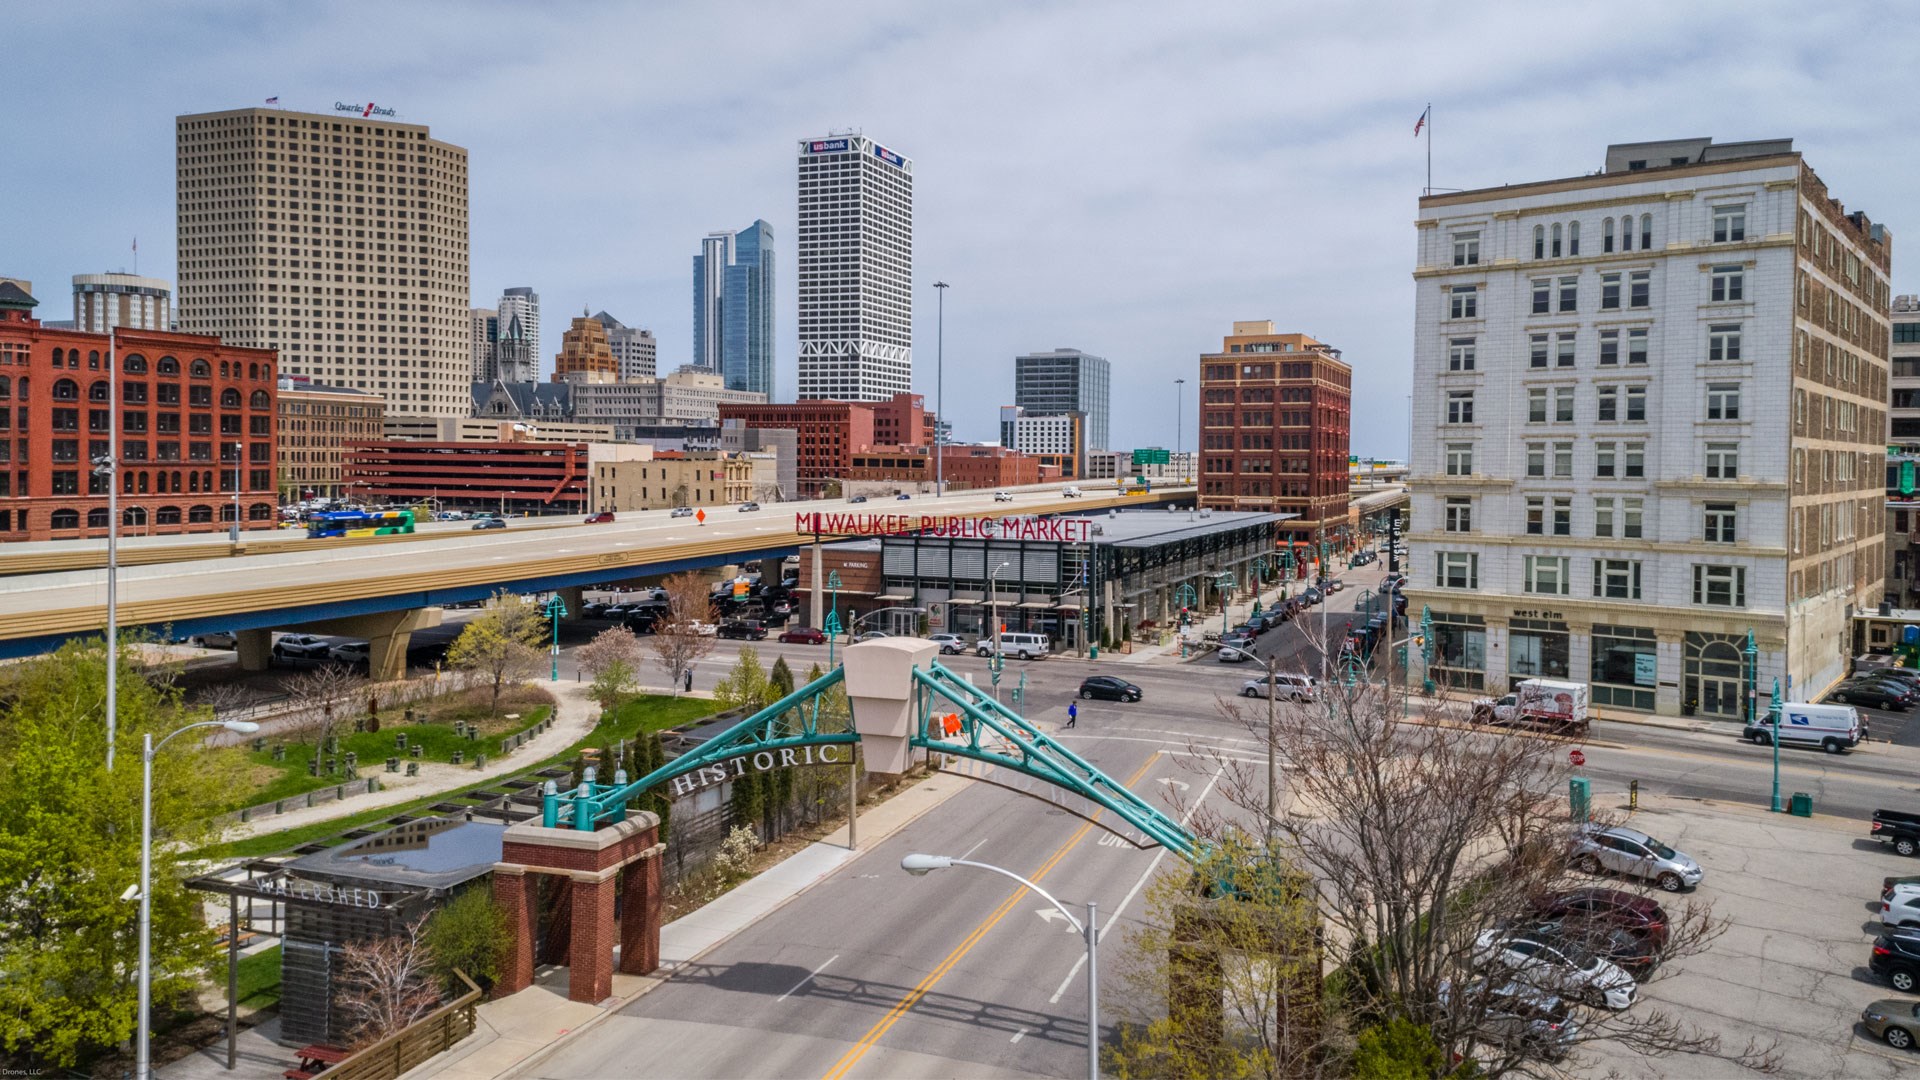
(556,919)
(591,958)
(642,903)
(512,890)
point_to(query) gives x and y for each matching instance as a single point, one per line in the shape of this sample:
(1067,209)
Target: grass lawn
(646,713)
(259,978)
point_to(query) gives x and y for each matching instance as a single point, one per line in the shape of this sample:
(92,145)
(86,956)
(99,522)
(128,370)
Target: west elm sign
(1064,530)
(765,760)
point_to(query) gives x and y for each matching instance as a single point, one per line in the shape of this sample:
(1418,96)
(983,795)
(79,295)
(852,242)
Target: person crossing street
(1073,713)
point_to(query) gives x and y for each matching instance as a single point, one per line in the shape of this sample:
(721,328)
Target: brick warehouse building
(1275,419)
(196,417)
(829,433)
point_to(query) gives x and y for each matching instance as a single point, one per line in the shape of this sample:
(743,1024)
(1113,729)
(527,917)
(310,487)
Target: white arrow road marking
(806,980)
(1181,784)
(1050,914)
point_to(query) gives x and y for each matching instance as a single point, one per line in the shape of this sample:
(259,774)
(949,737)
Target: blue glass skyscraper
(733,307)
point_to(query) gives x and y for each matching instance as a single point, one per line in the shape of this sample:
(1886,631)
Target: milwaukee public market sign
(786,757)
(1065,530)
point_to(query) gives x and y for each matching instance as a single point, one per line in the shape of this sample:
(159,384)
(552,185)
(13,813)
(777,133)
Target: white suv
(1069,492)
(1003,496)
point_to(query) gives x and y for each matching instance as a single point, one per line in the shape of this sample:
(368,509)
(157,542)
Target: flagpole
(1429,147)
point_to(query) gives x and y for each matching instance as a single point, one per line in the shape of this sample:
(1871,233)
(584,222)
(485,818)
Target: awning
(893,598)
(968,598)
(1034,604)
(1066,607)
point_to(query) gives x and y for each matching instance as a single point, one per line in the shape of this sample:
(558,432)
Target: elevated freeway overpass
(382,589)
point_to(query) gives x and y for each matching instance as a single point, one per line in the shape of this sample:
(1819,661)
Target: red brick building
(967,468)
(196,422)
(507,477)
(829,433)
(1275,422)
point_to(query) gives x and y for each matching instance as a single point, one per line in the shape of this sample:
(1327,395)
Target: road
(950,975)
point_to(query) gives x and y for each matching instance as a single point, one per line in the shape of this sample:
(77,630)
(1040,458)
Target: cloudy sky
(1122,178)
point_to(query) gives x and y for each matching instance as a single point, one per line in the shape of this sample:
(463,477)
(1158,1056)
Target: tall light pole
(1179,412)
(1273,773)
(939,391)
(556,610)
(143,1065)
(109,467)
(233,534)
(997,662)
(920,865)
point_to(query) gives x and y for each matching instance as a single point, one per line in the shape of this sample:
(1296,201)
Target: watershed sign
(1066,530)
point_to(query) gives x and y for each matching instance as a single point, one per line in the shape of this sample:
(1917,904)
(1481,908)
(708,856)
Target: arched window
(229,398)
(143,481)
(200,515)
(167,515)
(253,371)
(133,515)
(66,390)
(93,360)
(134,364)
(193,481)
(260,512)
(266,371)
(226,370)
(22,388)
(1606,236)
(59,357)
(168,366)
(200,369)
(176,481)
(66,519)
(97,390)
(1646,231)
(226,512)
(1539,241)
(261,399)
(206,480)
(97,518)
(1573,238)
(1556,239)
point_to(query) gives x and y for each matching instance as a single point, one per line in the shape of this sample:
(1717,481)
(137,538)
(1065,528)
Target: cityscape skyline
(1139,257)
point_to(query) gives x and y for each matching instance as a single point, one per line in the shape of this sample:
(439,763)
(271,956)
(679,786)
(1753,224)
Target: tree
(322,698)
(782,678)
(1398,1050)
(748,802)
(746,685)
(70,844)
(612,659)
(469,933)
(389,984)
(500,646)
(677,642)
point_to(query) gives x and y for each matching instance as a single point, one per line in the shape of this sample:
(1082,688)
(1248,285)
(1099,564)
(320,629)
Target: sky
(1123,178)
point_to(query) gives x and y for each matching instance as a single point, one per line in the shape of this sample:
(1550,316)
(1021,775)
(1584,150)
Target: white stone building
(1656,399)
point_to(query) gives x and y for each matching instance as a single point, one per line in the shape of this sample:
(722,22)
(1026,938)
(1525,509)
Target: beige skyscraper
(338,239)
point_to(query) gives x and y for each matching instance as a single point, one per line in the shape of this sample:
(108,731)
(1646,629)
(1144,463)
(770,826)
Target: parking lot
(1801,898)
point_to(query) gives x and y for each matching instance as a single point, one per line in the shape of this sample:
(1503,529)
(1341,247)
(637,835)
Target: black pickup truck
(1898,828)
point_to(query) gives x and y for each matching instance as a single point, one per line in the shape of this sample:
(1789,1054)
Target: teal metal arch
(952,717)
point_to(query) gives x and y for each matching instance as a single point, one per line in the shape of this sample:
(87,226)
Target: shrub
(471,934)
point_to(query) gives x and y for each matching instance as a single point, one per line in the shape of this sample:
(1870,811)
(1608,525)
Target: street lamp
(1179,392)
(1776,710)
(920,865)
(1271,664)
(556,610)
(996,663)
(832,628)
(939,391)
(108,468)
(143,1067)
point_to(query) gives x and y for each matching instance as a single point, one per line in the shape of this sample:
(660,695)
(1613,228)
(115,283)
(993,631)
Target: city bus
(359,522)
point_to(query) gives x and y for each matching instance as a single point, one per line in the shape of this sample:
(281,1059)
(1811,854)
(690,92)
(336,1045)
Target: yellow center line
(879,1029)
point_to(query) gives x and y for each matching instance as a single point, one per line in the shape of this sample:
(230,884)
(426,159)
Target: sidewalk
(515,1032)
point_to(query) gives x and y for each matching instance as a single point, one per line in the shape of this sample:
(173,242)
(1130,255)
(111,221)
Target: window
(1563,515)
(1556,240)
(1466,248)
(1723,401)
(1569,294)
(1627,657)
(1563,404)
(1604,460)
(1609,348)
(1640,289)
(1606,236)
(1460,354)
(1729,283)
(1603,517)
(1537,351)
(1729,224)
(1723,461)
(1573,238)
(1459,459)
(1720,523)
(1546,574)
(1636,404)
(1563,459)
(1459,406)
(1616,579)
(1720,586)
(1536,459)
(1536,405)
(1459,515)
(1637,346)
(1609,291)
(1457,570)
(1464,302)
(1563,349)
(1539,241)
(1536,516)
(1633,518)
(1608,399)
(229,398)
(1723,341)
(1635,461)
(1646,231)
(1542,295)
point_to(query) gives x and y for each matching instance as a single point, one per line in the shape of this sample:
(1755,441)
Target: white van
(1024,646)
(1833,728)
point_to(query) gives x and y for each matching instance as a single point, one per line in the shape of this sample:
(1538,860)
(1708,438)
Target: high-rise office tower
(1066,381)
(856,270)
(103,301)
(585,356)
(339,240)
(733,307)
(486,334)
(634,348)
(522,303)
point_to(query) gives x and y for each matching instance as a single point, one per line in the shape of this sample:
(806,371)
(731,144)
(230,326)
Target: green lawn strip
(260,978)
(648,713)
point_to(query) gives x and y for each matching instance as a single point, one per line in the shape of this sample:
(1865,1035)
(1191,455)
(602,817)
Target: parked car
(858,499)
(742,630)
(1535,959)
(1069,492)
(1109,688)
(1630,953)
(1635,914)
(701,629)
(1872,692)
(1235,647)
(1900,907)
(1003,496)
(219,639)
(353,652)
(1898,828)
(1515,1015)
(1896,958)
(1908,676)
(1311,596)
(1024,645)
(1892,1020)
(1285,687)
(301,647)
(902,495)
(1333,585)
(604,517)
(950,644)
(802,635)
(1634,854)
(1832,727)
(681,511)
(488,523)
(749,507)
(870,635)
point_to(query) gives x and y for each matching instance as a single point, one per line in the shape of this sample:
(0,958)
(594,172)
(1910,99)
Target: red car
(802,635)
(1637,915)
(604,517)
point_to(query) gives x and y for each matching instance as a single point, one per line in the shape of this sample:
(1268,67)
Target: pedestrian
(1073,713)
(689,680)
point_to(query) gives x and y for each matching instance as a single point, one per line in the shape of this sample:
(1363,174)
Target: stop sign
(1576,757)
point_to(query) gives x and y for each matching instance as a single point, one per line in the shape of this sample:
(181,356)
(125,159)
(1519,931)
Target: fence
(432,1034)
(316,797)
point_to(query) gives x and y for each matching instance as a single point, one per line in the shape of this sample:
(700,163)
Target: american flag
(273,101)
(1422,122)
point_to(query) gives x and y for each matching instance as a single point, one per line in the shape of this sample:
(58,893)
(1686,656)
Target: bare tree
(499,647)
(612,659)
(322,697)
(677,641)
(390,984)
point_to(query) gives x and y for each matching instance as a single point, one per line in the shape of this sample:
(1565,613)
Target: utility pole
(111,469)
(1179,392)
(939,392)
